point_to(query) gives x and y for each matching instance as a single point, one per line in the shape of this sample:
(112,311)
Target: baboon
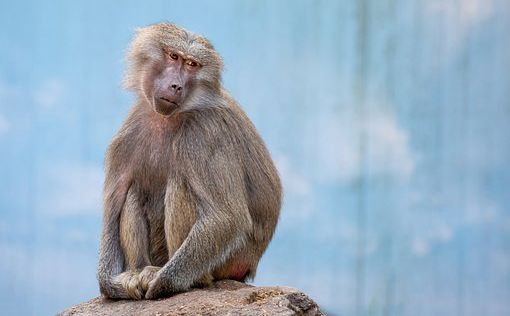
(191,194)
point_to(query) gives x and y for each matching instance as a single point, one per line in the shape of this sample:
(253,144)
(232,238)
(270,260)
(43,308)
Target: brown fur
(190,197)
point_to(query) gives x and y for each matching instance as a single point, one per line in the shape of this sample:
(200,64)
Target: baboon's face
(169,67)
(173,80)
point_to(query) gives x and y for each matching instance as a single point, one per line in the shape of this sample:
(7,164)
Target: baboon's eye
(174,56)
(192,63)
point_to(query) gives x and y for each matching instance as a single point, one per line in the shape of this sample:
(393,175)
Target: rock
(223,298)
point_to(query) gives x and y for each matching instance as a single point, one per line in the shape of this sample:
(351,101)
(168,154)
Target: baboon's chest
(150,177)
(153,168)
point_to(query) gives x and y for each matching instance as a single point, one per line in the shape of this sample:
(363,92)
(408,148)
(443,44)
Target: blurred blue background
(389,121)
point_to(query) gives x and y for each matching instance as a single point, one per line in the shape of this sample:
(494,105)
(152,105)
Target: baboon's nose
(176,88)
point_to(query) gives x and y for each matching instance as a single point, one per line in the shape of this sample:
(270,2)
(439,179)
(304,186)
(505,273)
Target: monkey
(191,194)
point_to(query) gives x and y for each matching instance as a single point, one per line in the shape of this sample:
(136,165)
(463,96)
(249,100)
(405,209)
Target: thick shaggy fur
(190,197)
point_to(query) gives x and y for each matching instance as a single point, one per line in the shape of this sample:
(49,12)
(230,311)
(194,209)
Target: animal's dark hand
(158,287)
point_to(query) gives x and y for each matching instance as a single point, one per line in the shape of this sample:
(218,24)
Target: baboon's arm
(111,259)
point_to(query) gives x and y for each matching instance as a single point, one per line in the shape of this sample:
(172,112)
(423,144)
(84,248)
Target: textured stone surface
(223,298)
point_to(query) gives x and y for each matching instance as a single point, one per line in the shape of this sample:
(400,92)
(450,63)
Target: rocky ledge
(223,298)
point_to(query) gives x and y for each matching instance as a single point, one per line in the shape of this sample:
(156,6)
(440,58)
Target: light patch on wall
(297,190)
(292,180)
(77,236)
(49,93)
(338,154)
(481,210)
(423,242)
(428,227)
(387,149)
(72,189)
(461,17)
(468,11)
(420,247)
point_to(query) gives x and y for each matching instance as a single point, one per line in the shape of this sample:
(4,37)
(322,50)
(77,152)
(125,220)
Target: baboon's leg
(180,215)
(134,241)
(134,234)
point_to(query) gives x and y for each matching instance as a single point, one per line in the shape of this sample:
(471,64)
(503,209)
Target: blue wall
(389,121)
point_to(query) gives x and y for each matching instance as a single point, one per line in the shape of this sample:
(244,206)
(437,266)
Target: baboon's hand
(158,287)
(130,281)
(147,275)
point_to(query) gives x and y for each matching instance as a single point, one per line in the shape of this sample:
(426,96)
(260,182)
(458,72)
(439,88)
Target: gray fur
(194,193)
